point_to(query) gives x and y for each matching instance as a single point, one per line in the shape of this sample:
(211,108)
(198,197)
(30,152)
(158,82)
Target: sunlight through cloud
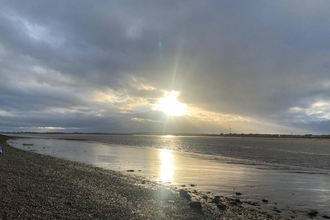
(170,106)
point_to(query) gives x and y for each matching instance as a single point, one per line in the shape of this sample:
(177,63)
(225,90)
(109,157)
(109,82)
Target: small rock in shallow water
(312,213)
(325,216)
(143,182)
(196,206)
(130,170)
(265,200)
(238,193)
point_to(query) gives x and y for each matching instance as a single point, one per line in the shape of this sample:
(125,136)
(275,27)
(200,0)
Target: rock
(216,200)
(183,185)
(222,207)
(265,200)
(183,194)
(143,182)
(238,201)
(192,185)
(312,213)
(233,203)
(325,216)
(197,206)
(252,203)
(130,170)
(238,193)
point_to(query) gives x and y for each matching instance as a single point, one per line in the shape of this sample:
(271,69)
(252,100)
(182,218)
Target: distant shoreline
(312,136)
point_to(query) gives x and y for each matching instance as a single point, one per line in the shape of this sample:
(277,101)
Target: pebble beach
(35,186)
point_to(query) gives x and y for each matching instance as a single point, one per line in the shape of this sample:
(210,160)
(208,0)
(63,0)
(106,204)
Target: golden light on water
(167,166)
(170,106)
(168,136)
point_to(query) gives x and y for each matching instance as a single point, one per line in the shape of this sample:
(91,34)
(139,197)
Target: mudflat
(35,186)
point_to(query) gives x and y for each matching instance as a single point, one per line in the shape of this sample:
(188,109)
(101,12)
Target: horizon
(178,134)
(165,66)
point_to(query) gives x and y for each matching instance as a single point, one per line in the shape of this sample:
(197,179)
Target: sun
(170,106)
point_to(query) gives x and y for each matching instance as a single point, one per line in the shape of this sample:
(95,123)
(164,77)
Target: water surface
(293,174)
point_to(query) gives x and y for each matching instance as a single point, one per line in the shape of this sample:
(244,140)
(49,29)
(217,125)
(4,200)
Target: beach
(38,186)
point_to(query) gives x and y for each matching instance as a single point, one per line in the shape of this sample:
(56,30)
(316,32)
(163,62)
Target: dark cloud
(98,66)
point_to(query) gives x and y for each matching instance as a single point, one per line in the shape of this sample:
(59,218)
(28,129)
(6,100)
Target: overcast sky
(102,66)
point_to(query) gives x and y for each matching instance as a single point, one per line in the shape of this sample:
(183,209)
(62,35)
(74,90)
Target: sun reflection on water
(167,165)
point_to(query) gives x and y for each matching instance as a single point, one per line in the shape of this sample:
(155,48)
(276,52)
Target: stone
(216,200)
(197,206)
(238,193)
(312,213)
(325,216)
(130,170)
(184,194)
(265,200)
(222,207)
(253,203)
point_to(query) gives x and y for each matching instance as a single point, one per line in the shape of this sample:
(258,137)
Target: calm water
(291,172)
(307,153)
(299,153)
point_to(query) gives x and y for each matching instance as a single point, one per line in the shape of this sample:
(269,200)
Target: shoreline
(39,186)
(224,135)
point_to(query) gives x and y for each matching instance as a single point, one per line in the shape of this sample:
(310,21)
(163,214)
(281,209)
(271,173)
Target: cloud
(315,112)
(98,66)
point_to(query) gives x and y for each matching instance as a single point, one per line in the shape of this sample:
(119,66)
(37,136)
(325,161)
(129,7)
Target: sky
(256,66)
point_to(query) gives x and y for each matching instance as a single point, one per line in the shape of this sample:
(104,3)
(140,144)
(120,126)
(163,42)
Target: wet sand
(42,187)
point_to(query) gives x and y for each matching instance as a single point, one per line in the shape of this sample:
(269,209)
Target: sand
(35,186)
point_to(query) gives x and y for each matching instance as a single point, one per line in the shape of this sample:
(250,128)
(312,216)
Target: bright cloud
(317,111)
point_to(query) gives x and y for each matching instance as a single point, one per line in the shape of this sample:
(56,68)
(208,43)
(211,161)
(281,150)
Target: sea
(292,174)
